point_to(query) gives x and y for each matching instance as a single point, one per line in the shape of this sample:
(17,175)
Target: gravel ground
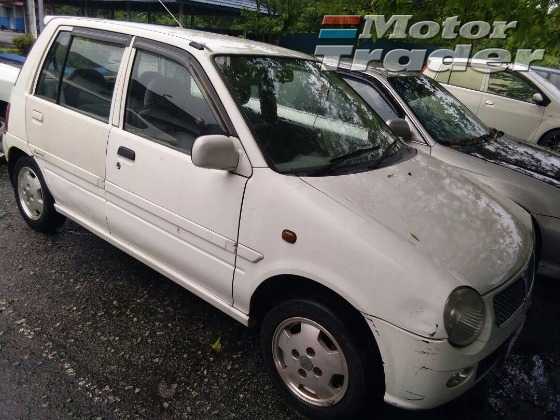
(88,332)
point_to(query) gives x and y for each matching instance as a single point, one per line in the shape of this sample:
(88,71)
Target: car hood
(531,160)
(479,239)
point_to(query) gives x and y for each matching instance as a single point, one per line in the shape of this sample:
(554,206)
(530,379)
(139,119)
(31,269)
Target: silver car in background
(518,101)
(434,121)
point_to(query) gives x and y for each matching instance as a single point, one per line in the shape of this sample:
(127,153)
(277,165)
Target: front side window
(307,121)
(447,120)
(165,103)
(49,78)
(374,99)
(89,77)
(511,86)
(469,78)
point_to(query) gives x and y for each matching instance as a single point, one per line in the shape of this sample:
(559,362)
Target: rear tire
(319,366)
(33,198)
(551,140)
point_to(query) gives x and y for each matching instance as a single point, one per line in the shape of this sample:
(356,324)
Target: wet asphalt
(88,332)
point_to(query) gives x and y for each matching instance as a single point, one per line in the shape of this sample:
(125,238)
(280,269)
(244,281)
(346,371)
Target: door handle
(37,115)
(126,153)
(489,102)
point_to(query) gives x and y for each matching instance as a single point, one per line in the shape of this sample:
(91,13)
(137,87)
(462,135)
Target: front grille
(512,297)
(509,300)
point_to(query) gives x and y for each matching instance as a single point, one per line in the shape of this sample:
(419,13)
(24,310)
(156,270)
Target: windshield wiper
(352,154)
(492,134)
(335,162)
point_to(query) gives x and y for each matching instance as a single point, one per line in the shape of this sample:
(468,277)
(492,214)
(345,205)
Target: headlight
(464,316)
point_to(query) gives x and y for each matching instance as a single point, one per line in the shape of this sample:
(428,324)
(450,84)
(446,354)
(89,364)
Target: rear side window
(443,76)
(49,79)
(89,77)
(165,103)
(511,86)
(470,79)
(80,73)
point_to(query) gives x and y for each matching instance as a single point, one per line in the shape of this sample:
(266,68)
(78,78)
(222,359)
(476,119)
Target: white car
(8,76)
(521,103)
(265,185)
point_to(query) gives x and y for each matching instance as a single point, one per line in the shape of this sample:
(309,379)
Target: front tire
(34,200)
(320,367)
(551,140)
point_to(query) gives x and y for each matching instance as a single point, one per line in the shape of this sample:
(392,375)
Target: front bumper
(418,369)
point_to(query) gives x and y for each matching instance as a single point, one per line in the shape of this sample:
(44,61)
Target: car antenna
(170,14)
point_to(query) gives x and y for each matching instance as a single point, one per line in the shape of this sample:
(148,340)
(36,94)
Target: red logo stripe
(349,20)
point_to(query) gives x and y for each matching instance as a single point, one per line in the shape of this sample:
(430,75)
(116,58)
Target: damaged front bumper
(423,373)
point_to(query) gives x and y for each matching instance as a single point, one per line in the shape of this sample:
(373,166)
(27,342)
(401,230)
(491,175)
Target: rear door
(466,85)
(67,118)
(175,216)
(508,105)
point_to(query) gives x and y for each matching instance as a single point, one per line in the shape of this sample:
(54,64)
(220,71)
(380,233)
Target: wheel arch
(279,288)
(283,287)
(13,155)
(546,133)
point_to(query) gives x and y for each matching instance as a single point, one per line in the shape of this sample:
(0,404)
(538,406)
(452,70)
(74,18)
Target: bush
(24,43)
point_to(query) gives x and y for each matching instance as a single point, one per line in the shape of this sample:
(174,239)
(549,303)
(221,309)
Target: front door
(173,215)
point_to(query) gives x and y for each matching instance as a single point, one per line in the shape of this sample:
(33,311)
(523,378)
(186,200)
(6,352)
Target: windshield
(307,121)
(447,120)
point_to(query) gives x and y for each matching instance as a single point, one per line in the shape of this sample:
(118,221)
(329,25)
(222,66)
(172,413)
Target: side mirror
(538,98)
(400,128)
(215,152)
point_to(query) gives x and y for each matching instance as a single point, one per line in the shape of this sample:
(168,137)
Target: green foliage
(23,43)
(538,27)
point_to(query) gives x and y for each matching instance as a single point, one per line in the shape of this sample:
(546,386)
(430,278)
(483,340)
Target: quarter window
(165,103)
(469,78)
(511,86)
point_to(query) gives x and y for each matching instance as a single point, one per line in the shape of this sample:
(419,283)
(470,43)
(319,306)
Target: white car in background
(265,185)
(520,103)
(8,77)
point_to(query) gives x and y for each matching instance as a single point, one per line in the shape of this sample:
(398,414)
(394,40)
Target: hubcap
(310,361)
(30,193)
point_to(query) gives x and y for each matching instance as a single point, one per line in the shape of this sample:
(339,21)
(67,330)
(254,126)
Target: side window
(49,78)
(443,76)
(165,103)
(89,76)
(470,79)
(511,86)
(374,99)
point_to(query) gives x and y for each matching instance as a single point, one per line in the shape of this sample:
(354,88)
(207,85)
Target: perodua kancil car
(264,184)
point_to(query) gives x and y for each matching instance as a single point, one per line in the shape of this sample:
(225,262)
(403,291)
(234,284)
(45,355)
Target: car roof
(213,43)
(479,62)
(374,69)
